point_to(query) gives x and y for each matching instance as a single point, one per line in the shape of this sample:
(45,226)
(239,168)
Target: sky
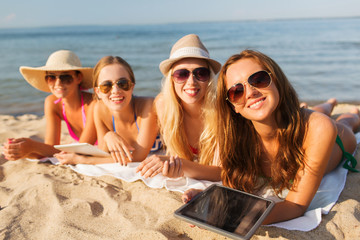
(39,13)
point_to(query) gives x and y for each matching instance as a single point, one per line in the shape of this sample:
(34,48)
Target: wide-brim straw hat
(62,60)
(189,46)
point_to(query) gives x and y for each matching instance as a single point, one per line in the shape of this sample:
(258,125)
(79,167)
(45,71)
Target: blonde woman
(65,78)
(186,97)
(126,124)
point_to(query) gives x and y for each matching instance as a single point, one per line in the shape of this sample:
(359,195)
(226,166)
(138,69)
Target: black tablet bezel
(179,213)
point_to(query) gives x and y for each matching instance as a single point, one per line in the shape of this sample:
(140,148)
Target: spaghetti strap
(71,132)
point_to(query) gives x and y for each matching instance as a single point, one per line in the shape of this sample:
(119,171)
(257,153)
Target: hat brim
(36,76)
(167,64)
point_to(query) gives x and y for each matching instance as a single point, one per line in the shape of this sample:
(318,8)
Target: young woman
(186,97)
(266,139)
(65,78)
(126,124)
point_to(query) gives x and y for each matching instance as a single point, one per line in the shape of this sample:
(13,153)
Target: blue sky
(35,13)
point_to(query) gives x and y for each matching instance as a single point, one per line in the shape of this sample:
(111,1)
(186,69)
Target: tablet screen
(226,211)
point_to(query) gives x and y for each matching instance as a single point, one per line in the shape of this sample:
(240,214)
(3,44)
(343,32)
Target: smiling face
(191,91)
(256,104)
(117,98)
(63,83)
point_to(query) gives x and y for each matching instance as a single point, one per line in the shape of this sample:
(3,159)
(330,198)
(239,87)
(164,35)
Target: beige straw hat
(189,46)
(62,60)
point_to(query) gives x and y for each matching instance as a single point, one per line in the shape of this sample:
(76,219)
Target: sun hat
(189,46)
(62,60)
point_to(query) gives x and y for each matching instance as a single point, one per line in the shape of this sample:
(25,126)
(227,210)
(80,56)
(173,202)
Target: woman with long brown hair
(266,139)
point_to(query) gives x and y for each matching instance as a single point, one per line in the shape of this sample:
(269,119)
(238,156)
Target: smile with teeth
(254,105)
(117,99)
(192,91)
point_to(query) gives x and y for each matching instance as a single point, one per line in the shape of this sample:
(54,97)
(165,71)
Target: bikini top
(194,151)
(157,144)
(71,132)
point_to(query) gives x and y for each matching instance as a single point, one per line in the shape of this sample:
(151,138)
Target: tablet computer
(226,211)
(82,148)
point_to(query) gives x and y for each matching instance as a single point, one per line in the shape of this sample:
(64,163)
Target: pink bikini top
(71,132)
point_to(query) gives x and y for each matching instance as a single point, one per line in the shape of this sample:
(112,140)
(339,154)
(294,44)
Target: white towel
(329,190)
(325,198)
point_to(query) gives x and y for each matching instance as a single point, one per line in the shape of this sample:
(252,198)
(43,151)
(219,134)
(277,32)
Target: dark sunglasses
(64,78)
(122,83)
(202,74)
(259,79)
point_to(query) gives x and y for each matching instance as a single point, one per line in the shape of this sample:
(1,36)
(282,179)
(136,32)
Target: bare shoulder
(143,105)
(320,125)
(159,104)
(50,104)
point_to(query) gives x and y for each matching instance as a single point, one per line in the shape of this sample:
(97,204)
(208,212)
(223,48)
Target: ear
(96,92)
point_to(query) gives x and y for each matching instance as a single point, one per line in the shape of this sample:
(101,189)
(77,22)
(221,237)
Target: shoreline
(309,102)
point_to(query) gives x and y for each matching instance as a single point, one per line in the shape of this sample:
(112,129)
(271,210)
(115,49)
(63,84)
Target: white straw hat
(189,46)
(62,60)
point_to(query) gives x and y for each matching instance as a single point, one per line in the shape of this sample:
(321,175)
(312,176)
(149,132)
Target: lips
(256,104)
(117,99)
(192,91)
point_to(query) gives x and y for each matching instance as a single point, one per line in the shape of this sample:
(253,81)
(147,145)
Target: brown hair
(240,147)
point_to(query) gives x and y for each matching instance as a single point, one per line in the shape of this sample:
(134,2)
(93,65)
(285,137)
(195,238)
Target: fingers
(150,167)
(189,194)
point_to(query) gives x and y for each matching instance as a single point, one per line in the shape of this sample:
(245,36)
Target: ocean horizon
(321,57)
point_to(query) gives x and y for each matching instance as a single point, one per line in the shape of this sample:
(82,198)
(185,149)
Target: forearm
(284,211)
(200,171)
(38,149)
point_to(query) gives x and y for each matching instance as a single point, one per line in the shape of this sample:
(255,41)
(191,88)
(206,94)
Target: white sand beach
(44,201)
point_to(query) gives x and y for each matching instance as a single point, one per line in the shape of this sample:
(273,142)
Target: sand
(44,201)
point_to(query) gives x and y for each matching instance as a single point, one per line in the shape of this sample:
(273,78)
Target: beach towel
(325,198)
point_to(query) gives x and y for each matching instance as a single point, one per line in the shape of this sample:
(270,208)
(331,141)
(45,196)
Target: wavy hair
(172,127)
(239,143)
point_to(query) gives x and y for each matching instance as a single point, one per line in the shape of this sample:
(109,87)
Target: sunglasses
(202,74)
(64,78)
(259,79)
(122,83)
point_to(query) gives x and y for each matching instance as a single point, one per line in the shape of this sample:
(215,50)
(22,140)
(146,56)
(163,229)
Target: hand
(173,167)
(69,158)
(190,194)
(118,148)
(15,149)
(152,166)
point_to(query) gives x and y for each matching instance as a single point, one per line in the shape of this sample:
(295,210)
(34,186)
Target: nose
(115,88)
(249,90)
(191,80)
(57,81)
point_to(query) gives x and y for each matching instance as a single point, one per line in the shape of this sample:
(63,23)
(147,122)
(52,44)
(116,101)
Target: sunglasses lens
(235,93)
(124,84)
(202,74)
(66,79)
(181,75)
(260,79)
(105,87)
(50,78)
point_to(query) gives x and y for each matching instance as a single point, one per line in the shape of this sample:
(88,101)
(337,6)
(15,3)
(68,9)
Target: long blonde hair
(172,124)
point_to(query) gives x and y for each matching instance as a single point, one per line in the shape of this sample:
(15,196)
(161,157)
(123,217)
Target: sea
(321,57)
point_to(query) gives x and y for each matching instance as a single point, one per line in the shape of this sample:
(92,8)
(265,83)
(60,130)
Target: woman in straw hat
(64,77)
(268,142)
(126,124)
(186,97)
